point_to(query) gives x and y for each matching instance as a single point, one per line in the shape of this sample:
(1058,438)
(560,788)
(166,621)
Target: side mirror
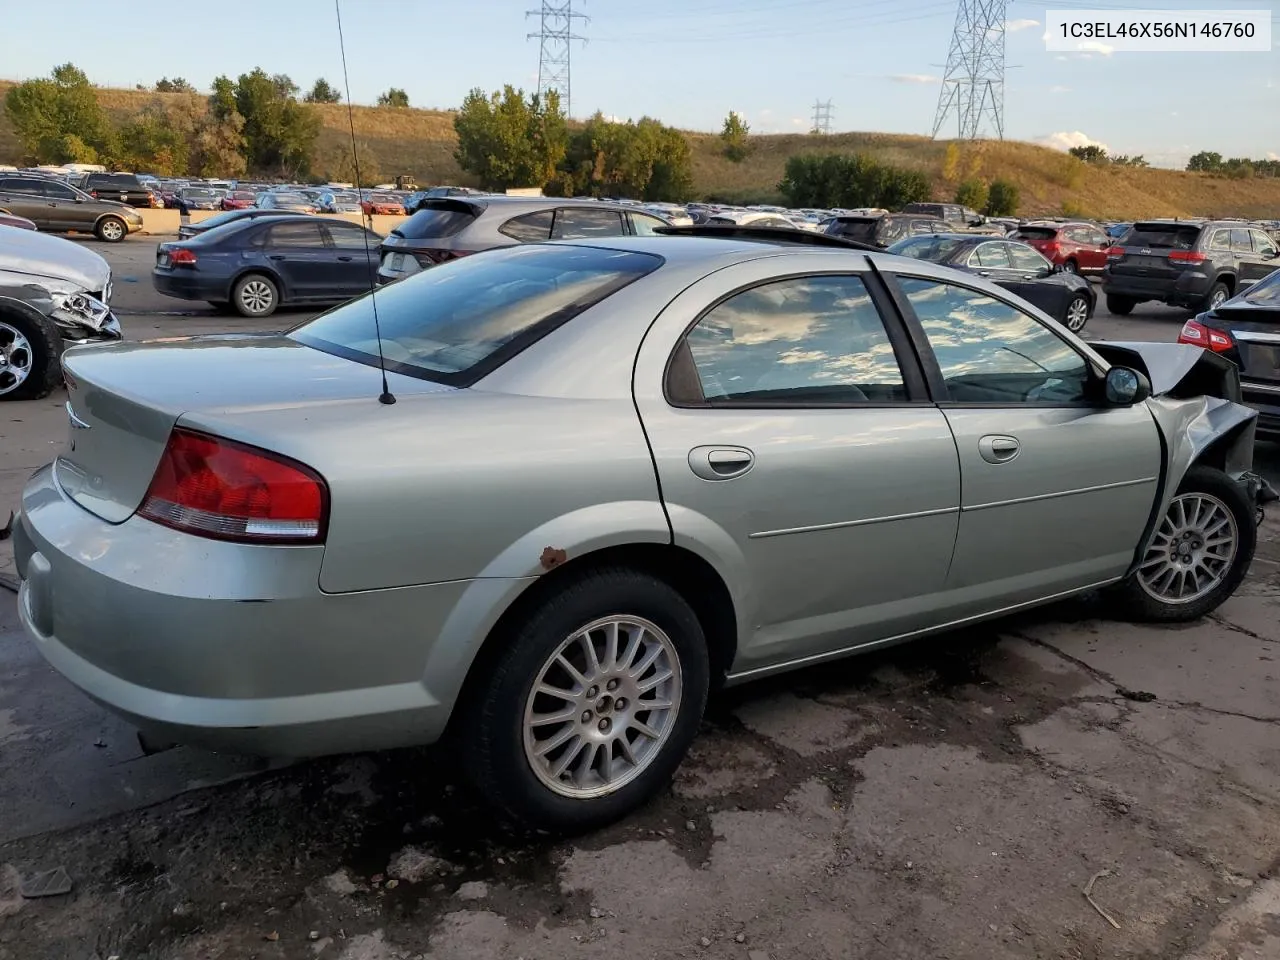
(1126,386)
(79,199)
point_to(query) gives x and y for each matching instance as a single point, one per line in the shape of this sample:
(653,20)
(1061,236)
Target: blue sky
(688,62)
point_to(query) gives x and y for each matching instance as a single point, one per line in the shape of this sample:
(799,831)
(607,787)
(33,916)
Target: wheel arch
(695,579)
(1227,279)
(113,215)
(267,272)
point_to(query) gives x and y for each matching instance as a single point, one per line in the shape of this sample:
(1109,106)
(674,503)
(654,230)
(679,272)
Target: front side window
(1026,259)
(643,225)
(58,191)
(583,223)
(1263,245)
(807,340)
(990,352)
(1265,291)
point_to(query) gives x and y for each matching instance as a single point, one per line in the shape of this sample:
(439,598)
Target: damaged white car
(53,294)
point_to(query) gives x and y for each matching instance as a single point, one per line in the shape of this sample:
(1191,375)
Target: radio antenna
(386,397)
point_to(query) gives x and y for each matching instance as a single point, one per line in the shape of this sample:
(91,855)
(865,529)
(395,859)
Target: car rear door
(1057,489)
(1036,282)
(1091,246)
(797,451)
(299,253)
(24,197)
(355,251)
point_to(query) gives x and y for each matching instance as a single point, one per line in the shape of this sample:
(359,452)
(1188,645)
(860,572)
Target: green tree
(160,137)
(176,85)
(1208,161)
(1138,160)
(972,193)
(47,111)
(395,97)
(1238,168)
(734,134)
(323,92)
(1090,153)
(340,165)
(850,180)
(1002,198)
(218,149)
(509,141)
(279,133)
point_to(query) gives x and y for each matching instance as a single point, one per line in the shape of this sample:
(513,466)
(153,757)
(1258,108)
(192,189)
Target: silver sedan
(596,481)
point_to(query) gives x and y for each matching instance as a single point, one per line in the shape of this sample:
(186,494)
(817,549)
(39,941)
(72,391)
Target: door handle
(275,256)
(984,273)
(998,449)
(720,463)
(345,259)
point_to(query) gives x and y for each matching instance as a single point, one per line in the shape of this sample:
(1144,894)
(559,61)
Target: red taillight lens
(94,194)
(1115,253)
(179,255)
(429,258)
(229,491)
(1195,332)
(1186,256)
(1049,247)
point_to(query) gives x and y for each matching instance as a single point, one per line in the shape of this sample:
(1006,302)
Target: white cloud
(1066,139)
(1093,46)
(1013,26)
(1059,88)
(914,78)
(798,122)
(1060,57)
(1272,155)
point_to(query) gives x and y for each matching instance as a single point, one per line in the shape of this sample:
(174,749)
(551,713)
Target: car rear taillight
(1115,253)
(181,255)
(1186,256)
(94,194)
(211,487)
(1195,332)
(429,258)
(1049,248)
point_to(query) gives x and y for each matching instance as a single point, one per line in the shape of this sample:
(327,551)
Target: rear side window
(934,249)
(578,223)
(300,234)
(853,228)
(1035,233)
(1169,236)
(806,340)
(643,225)
(23,185)
(121,181)
(530,228)
(436,219)
(459,320)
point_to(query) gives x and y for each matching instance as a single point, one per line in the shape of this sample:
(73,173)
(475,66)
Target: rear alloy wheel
(1077,313)
(1120,306)
(29,358)
(1199,553)
(111,230)
(590,708)
(1218,295)
(255,296)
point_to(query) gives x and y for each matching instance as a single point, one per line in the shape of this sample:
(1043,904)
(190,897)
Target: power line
(973,84)
(555,36)
(822,116)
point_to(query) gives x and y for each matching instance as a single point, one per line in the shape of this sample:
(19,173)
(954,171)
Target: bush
(972,193)
(1002,199)
(850,180)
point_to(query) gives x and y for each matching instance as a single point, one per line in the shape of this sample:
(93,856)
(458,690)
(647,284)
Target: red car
(9,220)
(239,200)
(1076,247)
(382,204)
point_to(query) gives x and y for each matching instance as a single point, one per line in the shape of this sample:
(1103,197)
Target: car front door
(797,451)
(355,252)
(991,260)
(1261,258)
(1057,488)
(1034,280)
(297,250)
(24,197)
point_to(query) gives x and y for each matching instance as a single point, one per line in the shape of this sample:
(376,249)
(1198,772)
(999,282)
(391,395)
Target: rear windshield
(231,216)
(438,218)
(1168,235)
(935,249)
(1265,291)
(455,322)
(115,179)
(1035,233)
(854,228)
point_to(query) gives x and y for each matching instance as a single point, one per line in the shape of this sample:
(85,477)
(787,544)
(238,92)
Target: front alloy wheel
(16,358)
(604,704)
(1192,550)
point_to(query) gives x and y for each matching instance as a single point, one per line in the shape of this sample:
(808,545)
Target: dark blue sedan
(260,264)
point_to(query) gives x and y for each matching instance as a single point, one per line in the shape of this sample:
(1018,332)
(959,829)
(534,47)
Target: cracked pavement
(950,798)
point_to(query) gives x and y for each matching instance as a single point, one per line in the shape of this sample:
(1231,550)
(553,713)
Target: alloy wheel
(16,358)
(602,707)
(112,230)
(1218,299)
(256,296)
(1191,552)
(1077,314)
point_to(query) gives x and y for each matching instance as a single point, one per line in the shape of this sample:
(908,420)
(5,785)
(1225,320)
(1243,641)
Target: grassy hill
(421,142)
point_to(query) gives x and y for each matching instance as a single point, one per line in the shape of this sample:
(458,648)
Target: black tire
(45,344)
(111,230)
(250,283)
(491,738)
(1217,295)
(1120,306)
(1133,602)
(1079,304)
(1070,266)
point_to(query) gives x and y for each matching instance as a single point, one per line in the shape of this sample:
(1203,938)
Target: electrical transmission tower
(556,36)
(973,84)
(822,116)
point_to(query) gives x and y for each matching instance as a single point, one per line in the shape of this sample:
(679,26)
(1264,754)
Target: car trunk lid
(124,399)
(1256,332)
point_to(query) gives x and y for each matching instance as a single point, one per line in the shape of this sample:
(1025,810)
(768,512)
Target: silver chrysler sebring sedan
(609,476)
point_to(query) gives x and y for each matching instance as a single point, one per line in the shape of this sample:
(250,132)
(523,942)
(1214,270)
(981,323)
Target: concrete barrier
(165,223)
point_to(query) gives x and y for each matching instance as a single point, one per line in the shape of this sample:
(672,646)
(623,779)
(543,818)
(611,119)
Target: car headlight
(79,309)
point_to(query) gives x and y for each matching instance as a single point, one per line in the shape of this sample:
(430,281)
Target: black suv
(954,213)
(885,229)
(1197,264)
(124,187)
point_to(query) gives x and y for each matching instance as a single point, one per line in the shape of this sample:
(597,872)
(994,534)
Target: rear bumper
(1188,289)
(235,647)
(189,286)
(1265,398)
